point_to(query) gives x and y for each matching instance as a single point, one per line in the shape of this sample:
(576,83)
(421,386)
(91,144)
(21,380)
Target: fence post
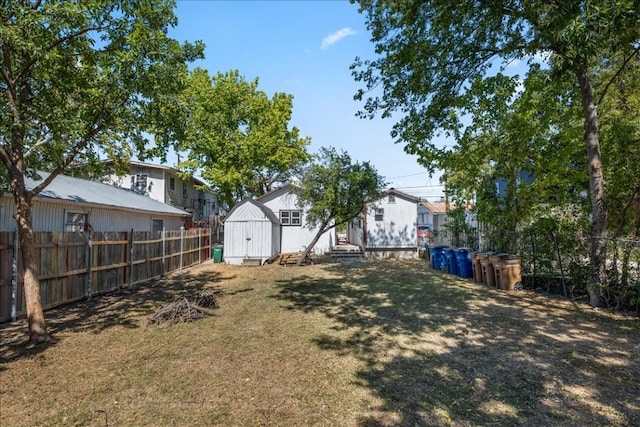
(181,245)
(131,258)
(557,245)
(14,278)
(199,245)
(90,264)
(164,249)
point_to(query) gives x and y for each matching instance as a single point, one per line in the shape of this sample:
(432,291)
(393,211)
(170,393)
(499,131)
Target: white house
(388,227)
(252,232)
(75,204)
(433,216)
(296,233)
(268,225)
(163,183)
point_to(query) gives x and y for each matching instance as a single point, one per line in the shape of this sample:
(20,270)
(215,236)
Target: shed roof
(86,191)
(238,208)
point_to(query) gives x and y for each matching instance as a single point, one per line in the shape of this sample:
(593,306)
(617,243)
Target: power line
(421,186)
(406,176)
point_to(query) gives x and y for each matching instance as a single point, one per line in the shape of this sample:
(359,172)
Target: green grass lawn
(382,343)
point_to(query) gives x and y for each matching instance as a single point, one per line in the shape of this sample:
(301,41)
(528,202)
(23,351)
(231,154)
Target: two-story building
(164,184)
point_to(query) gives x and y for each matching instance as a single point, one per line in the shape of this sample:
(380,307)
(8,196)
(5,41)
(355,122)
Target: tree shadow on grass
(123,308)
(443,351)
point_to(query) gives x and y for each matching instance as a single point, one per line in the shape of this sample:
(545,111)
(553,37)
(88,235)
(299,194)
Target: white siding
(200,203)
(296,238)
(398,227)
(355,231)
(249,233)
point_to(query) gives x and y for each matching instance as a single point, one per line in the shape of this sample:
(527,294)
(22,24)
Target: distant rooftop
(435,207)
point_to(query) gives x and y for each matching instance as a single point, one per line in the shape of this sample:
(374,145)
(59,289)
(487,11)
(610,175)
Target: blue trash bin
(465,264)
(452,262)
(438,258)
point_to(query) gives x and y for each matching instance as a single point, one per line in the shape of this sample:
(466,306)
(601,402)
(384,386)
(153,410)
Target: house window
(291,217)
(392,198)
(185,194)
(141,182)
(172,184)
(76,221)
(379,214)
(157,225)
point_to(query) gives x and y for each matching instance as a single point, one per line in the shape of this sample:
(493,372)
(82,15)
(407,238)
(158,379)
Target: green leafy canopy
(81,80)
(238,138)
(336,190)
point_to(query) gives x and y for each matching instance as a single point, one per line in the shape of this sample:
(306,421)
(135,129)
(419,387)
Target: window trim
(291,217)
(153,223)
(76,225)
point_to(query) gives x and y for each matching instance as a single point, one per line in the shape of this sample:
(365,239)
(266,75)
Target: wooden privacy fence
(74,266)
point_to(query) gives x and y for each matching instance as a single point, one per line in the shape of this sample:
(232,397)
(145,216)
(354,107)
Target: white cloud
(336,37)
(514,63)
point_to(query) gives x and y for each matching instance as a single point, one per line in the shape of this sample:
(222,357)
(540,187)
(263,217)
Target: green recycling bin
(217,253)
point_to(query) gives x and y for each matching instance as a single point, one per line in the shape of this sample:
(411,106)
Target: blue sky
(304,48)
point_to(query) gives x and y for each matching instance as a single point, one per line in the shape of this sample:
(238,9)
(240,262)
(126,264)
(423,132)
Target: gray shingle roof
(85,191)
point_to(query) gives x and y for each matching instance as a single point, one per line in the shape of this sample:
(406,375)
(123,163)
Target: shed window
(379,214)
(392,198)
(76,221)
(291,217)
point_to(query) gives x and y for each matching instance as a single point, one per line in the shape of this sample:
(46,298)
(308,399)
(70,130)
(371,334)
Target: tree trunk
(35,315)
(596,192)
(309,248)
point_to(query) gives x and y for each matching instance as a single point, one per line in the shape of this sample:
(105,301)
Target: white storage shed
(251,232)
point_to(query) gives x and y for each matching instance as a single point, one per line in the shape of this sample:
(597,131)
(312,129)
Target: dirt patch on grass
(376,344)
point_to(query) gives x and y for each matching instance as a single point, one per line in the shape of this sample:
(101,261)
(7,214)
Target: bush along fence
(74,266)
(555,259)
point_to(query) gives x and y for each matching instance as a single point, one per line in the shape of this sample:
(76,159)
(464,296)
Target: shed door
(254,239)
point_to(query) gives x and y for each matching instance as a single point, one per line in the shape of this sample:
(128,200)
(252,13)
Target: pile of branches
(182,311)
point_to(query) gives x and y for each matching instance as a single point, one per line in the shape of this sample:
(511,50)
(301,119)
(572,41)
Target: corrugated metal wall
(50,216)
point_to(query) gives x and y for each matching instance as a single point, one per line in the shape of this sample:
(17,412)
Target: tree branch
(39,143)
(59,41)
(617,73)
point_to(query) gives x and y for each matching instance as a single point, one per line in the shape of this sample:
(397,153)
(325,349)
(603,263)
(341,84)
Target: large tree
(237,138)
(429,51)
(81,80)
(517,130)
(334,190)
